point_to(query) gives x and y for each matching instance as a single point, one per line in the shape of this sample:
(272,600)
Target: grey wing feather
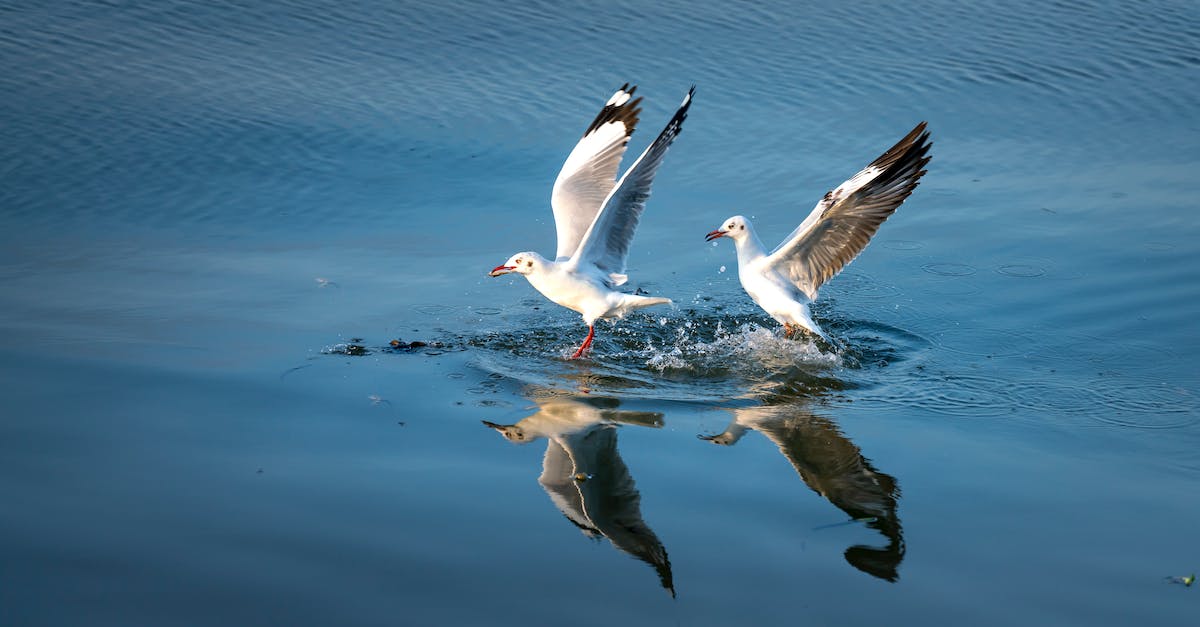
(590,171)
(606,243)
(844,221)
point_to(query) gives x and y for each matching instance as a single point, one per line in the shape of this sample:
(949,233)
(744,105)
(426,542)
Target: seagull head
(735,228)
(521,263)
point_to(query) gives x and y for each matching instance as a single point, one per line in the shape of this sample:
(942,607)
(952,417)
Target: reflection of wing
(606,502)
(835,468)
(558,480)
(586,478)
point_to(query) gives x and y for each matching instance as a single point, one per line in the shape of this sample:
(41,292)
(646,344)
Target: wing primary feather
(619,109)
(606,242)
(590,172)
(846,218)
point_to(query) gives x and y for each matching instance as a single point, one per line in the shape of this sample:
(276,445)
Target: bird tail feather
(633,301)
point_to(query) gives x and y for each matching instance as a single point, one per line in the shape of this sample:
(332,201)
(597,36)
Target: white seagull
(596,215)
(785,281)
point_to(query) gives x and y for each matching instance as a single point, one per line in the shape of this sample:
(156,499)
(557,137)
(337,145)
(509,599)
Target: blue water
(214,219)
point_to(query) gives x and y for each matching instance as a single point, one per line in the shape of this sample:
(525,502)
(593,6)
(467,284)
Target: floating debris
(323,282)
(1186,581)
(378,400)
(408,347)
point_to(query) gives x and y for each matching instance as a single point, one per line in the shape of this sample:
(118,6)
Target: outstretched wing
(590,171)
(842,223)
(606,242)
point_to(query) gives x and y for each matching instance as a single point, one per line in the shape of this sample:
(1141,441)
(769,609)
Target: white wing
(842,223)
(606,242)
(590,171)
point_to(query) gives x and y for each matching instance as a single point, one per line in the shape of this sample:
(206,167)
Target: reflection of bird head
(728,437)
(512,433)
(560,416)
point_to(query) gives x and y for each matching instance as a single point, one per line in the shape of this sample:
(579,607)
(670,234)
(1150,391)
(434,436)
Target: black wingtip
(918,137)
(627,112)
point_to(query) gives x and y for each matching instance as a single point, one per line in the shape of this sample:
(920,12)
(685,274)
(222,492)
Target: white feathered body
(585,292)
(769,288)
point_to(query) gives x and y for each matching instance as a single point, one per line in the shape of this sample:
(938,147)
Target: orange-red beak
(714,235)
(498,270)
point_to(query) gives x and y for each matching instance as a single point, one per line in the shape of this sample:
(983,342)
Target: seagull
(786,280)
(595,215)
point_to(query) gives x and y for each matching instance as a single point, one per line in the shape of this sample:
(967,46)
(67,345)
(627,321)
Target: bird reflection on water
(833,467)
(585,477)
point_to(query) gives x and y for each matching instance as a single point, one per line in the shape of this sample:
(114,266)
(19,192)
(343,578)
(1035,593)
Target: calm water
(213,221)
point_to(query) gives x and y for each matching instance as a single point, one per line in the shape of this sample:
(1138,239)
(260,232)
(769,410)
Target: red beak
(714,235)
(498,270)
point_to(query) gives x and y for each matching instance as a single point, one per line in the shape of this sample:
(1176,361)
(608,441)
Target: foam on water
(688,356)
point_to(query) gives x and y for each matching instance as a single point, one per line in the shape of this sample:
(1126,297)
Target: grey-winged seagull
(786,280)
(596,214)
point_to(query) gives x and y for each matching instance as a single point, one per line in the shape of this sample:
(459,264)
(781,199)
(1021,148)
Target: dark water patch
(1145,402)
(1020,270)
(949,269)
(986,342)
(875,345)
(1079,357)
(1052,397)
(955,394)
(434,310)
(858,285)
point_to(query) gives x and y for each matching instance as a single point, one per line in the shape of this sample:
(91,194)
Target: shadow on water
(584,475)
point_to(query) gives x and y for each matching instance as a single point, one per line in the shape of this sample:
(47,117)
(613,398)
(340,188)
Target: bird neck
(749,247)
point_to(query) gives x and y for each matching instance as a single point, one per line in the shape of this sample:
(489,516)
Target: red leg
(586,343)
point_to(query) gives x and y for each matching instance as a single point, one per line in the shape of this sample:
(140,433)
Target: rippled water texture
(254,371)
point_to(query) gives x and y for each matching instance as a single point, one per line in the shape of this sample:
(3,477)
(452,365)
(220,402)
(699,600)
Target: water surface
(214,220)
